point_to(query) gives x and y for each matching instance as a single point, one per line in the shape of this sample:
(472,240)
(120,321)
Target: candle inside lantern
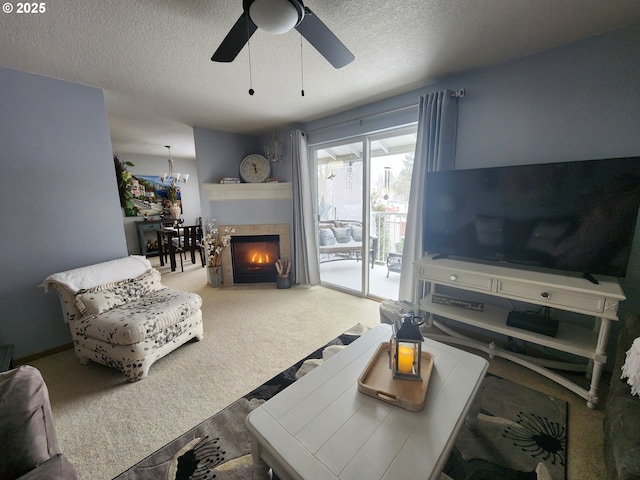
(405,359)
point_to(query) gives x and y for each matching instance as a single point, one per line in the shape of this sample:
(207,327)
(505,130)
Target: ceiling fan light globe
(274,16)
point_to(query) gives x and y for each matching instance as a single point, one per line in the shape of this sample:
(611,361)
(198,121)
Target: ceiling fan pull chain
(301,67)
(251,90)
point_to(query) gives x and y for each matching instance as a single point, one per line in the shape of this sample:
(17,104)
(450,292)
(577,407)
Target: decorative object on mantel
(215,243)
(173,178)
(255,169)
(456,302)
(631,367)
(283,267)
(274,150)
(230,180)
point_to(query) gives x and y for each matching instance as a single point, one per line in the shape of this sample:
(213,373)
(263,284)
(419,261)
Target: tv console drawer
(551,296)
(457,278)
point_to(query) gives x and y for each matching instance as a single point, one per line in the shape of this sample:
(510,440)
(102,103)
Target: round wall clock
(255,169)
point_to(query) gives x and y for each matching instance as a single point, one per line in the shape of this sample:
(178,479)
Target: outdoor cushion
(356,233)
(327,237)
(343,234)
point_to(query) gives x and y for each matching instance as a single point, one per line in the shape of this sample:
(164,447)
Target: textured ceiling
(152,57)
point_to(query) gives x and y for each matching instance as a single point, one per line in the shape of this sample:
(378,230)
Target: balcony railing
(389,228)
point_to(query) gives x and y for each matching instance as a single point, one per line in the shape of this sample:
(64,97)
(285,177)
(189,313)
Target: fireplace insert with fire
(253,258)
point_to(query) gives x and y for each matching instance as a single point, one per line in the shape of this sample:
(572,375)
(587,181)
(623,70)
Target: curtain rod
(457,94)
(366,117)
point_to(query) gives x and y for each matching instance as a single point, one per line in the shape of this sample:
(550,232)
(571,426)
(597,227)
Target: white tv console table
(563,292)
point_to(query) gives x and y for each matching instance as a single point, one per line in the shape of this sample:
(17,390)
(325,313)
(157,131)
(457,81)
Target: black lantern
(405,348)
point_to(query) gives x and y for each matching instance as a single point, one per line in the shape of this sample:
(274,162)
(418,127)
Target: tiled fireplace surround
(281,229)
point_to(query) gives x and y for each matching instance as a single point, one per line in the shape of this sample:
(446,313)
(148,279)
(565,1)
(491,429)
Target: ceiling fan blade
(323,39)
(235,40)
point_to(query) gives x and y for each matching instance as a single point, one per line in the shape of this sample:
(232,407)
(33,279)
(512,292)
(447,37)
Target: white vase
(174,210)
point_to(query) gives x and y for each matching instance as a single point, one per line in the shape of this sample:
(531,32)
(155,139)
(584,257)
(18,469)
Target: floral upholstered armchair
(122,316)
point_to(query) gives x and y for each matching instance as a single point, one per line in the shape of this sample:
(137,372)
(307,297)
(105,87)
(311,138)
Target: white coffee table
(322,427)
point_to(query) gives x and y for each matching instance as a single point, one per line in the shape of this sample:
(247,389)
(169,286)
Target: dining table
(179,239)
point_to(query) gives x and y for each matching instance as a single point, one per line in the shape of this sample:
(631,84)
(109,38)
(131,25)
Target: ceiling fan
(280,16)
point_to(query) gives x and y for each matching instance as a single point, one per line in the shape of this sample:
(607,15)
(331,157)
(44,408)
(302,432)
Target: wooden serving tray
(377,381)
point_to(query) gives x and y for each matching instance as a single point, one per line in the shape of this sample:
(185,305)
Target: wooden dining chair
(190,240)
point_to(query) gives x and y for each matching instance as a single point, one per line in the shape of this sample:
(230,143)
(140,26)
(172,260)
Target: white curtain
(306,267)
(435,150)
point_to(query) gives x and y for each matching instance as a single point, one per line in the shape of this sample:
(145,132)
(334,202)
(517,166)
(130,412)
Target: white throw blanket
(99,274)
(631,367)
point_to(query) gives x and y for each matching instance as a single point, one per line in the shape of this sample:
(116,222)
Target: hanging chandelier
(172,176)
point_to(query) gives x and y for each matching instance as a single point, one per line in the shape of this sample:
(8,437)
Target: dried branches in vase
(283,267)
(216,242)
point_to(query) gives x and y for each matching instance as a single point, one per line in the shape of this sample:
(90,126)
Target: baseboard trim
(36,356)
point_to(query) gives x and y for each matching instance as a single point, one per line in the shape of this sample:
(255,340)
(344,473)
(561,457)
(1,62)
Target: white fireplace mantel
(248,191)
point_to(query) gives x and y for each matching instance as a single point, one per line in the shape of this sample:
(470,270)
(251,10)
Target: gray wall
(576,102)
(60,206)
(190,191)
(580,101)
(219,155)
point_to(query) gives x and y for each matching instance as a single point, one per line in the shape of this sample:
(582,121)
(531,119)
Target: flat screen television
(575,216)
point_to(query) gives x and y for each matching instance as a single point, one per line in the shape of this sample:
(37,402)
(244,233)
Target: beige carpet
(105,424)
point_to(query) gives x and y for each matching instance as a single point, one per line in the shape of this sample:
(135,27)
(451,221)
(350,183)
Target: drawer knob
(545,295)
(453,278)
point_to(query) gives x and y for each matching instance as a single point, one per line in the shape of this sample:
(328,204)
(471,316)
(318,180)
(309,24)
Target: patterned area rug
(520,434)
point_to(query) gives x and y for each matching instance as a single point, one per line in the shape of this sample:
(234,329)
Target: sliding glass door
(341,213)
(362,196)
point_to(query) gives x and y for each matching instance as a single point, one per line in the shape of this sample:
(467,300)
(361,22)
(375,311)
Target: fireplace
(282,230)
(253,258)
